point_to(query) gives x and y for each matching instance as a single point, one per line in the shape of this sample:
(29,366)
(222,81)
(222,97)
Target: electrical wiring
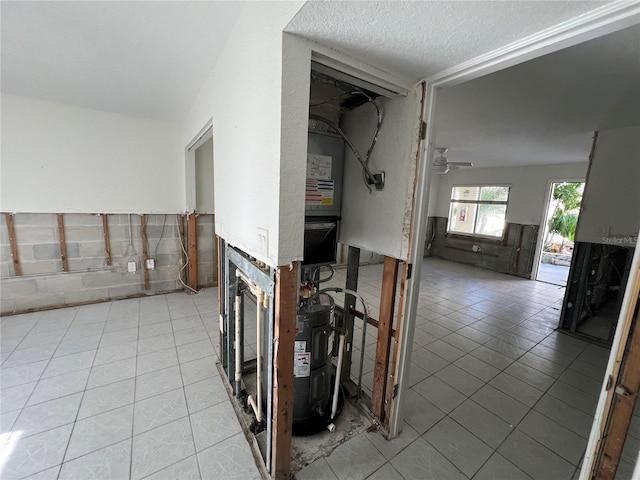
(186,255)
(316,271)
(164,223)
(367,176)
(330,99)
(370,179)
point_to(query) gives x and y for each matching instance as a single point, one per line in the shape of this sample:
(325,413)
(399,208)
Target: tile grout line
(184,393)
(73,427)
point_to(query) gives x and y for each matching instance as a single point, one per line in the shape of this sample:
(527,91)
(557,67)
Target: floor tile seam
(65,461)
(587,392)
(437,450)
(570,462)
(26,403)
(590,414)
(530,409)
(448,415)
(75,421)
(186,402)
(24,337)
(135,388)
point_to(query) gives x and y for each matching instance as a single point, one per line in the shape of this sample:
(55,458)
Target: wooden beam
(13,241)
(391,392)
(145,250)
(383,347)
(286,310)
(624,401)
(63,243)
(192,250)
(370,320)
(105,234)
(183,243)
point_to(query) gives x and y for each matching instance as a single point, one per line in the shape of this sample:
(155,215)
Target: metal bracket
(623,391)
(378,180)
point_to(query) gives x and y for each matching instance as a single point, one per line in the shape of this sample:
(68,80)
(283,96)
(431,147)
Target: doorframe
(543,222)
(205,133)
(599,22)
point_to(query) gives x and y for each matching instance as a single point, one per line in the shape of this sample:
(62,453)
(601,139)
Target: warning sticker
(302,364)
(318,166)
(301,346)
(319,192)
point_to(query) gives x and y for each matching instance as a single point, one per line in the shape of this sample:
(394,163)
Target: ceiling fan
(441,165)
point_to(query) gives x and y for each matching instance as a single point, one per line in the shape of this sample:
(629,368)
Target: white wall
(380,221)
(529,187)
(244,96)
(204,177)
(59,158)
(612,193)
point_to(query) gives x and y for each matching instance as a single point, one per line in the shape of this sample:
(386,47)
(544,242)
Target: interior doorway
(562,210)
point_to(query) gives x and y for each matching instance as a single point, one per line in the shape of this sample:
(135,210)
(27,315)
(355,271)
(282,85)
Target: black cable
(370,178)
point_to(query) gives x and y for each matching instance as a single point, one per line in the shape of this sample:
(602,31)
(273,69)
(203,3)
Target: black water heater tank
(312,368)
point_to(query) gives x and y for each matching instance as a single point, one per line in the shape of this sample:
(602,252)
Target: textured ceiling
(415,40)
(545,110)
(151,58)
(147,59)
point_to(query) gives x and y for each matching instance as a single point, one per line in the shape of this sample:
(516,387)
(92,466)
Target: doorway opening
(561,219)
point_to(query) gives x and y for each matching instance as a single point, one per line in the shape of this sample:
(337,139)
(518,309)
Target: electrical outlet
(151,263)
(263,241)
(131,267)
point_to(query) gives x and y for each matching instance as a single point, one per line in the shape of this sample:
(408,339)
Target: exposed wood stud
(370,320)
(622,407)
(63,243)
(13,241)
(383,347)
(107,241)
(180,220)
(286,305)
(396,350)
(192,249)
(145,250)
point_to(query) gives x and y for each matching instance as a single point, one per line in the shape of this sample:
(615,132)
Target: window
(478,210)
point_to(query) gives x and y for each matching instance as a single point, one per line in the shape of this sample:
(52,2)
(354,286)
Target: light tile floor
(120,390)
(495,392)
(129,389)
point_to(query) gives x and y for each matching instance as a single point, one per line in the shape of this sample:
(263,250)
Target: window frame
(471,236)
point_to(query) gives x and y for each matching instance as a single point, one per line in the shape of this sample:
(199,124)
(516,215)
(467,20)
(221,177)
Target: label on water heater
(302,364)
(301,346)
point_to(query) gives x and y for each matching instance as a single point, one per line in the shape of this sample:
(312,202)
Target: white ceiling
(151,58)
(416,39)
(540,112)
(146,59)
(544,111)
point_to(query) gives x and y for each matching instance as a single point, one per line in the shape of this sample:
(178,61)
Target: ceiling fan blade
(461,164)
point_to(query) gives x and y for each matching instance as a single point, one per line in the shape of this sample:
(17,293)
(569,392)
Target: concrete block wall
(515,255)
(44,284)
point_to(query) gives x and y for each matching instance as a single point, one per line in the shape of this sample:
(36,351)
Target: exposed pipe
(336,387)
(365,317)
(238,325)
(259,309)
